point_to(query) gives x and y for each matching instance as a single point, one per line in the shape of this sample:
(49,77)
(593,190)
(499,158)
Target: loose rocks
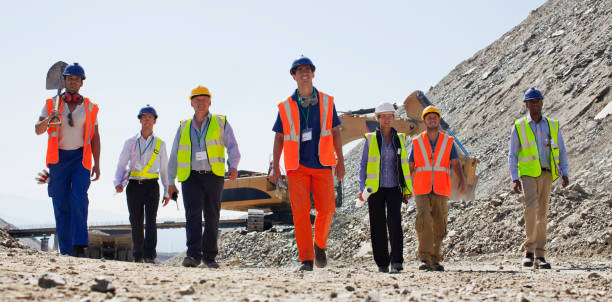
(49,280)
(187,290)
(102,284)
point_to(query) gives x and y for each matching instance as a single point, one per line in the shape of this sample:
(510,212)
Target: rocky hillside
(564,49)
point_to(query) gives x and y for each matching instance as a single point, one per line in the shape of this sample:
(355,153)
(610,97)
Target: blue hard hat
(301,60)
(74,69)
(532,94)
(147,110)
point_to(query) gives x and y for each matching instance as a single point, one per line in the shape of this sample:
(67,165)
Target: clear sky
(154,52)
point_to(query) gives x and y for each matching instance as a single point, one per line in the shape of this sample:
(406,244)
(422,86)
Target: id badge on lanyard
(306,134)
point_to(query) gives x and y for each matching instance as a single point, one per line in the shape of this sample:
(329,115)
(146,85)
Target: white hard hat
(384,107)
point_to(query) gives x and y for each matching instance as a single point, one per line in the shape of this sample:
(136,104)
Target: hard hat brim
(193,96)
(292,70)
(427,113)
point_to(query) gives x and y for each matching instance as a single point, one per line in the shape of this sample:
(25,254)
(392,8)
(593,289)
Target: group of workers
(307,131)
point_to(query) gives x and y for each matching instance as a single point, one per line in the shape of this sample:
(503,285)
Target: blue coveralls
(68,185)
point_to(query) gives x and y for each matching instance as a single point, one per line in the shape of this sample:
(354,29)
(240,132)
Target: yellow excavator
(252,190)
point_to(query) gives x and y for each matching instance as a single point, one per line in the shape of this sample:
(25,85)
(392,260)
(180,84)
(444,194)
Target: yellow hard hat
(430,109)
(200,90)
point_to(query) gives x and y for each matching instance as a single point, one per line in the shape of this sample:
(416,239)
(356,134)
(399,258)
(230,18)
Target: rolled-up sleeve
(363,165)
(172,163)
(233,153)
(563,164)
(122,170)
(513,154)
(163,168)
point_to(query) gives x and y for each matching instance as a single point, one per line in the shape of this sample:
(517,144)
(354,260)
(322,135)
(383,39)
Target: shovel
(54,81)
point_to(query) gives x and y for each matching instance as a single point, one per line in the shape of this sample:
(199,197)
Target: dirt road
(474,279)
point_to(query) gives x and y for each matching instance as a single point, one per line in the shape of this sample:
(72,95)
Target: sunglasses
(70,121)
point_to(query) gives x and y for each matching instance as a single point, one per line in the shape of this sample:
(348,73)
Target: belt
(203,172)
(546,169)
(143,181)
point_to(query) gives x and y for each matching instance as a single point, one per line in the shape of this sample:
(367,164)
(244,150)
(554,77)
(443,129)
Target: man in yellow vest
(198,159)
(433,152)
(70,149)
(142,162)
(307,132)
(537,156)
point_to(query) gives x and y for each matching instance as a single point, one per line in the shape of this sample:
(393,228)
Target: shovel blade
(54,75)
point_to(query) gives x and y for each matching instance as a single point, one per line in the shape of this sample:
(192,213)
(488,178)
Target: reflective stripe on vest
(290,117)
(145,171)
(373,165)
(91,113)
(528,157)
(432,168)
(215,147)
(405,166)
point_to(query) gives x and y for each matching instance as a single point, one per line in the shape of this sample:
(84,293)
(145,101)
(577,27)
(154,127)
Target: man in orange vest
(430,159)
(70,149)
(307,132)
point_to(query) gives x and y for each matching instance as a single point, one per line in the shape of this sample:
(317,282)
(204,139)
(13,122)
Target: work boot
(437,267)
(383,269)
(320,257)
(540,262)
(528,260)
(396,268)
(424,266)
(306,266)
(211,264)
(149,260)
(79,251)
(138,260)
(190,262)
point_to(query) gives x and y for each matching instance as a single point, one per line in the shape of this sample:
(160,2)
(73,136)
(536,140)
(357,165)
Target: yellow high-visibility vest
(145,171)
(528,157)
(373,165)
(215,147)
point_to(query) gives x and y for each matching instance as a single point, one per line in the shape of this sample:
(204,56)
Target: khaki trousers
(431,220)
(537,197)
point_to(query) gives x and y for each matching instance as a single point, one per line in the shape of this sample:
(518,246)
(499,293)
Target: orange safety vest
(91,112)
(432,169)
(290,117)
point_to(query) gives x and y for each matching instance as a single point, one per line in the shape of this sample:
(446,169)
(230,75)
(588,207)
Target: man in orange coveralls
(307,131)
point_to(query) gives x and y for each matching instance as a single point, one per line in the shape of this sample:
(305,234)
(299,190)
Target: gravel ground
(40,276)
(564,48)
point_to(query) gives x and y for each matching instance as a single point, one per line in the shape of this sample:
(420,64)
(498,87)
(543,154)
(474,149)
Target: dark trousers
(143,201)
(202,194)
(380,222)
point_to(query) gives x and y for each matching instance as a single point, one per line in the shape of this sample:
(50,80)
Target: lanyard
(200,134)
(141,152)
(306,115)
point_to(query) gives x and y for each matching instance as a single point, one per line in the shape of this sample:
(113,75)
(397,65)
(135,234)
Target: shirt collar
(194,125)
(294,96)
(529,120)
(139,136)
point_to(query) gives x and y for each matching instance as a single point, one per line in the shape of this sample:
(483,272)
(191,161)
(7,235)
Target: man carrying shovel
(70,121)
